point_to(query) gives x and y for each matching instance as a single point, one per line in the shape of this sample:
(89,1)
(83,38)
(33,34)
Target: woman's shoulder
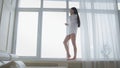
(73,16)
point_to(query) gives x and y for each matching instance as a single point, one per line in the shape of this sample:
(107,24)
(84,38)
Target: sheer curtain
(99,32)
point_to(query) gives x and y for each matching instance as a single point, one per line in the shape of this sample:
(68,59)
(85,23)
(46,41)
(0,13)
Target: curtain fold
(99,32)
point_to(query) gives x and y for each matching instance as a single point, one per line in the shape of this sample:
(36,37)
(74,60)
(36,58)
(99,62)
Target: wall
(6,24)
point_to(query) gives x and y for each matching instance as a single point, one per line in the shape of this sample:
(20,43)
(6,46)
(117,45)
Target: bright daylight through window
(41,28)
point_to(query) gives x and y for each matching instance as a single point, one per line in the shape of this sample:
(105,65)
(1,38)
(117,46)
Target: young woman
(72,25)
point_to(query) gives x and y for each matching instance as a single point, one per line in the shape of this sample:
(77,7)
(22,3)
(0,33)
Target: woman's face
(71,11)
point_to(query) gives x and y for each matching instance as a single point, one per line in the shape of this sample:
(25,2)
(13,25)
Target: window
(103,6)
(27,34)
(118,4)
(53,33)
(54,4)
(41,29)
(29,3)
(74,4)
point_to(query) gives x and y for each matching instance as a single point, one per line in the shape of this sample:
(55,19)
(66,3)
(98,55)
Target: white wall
(6,24)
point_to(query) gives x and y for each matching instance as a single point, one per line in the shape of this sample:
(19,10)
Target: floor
(46,67)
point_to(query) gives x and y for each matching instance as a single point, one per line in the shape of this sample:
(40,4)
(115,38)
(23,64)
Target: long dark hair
(76,12)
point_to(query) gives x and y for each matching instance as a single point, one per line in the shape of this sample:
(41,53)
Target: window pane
(54,4)
(104,6)
(118,6)
(27,34)
(53,33)
(74,4)
(118,3)
(29,3)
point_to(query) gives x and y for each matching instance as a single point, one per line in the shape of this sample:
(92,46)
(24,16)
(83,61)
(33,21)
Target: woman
(72,25)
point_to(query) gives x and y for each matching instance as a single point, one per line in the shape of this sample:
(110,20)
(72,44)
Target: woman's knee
(67,38)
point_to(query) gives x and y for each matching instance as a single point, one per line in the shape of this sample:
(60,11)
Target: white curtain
(1,5)
(99,31)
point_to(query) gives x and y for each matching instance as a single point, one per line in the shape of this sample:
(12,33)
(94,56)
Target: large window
(41,28)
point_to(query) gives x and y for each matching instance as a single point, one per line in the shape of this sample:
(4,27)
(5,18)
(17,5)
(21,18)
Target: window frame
(40,16)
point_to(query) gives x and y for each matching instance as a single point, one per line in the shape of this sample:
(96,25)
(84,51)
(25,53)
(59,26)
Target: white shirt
(72,24)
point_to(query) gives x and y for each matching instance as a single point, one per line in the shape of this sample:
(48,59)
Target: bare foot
(72,58)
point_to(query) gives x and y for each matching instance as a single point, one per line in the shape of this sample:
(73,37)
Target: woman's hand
(66,24)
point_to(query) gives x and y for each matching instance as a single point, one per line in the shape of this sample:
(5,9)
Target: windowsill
(62,60)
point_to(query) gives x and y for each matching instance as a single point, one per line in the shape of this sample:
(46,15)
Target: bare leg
(73,39)
(67,38)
